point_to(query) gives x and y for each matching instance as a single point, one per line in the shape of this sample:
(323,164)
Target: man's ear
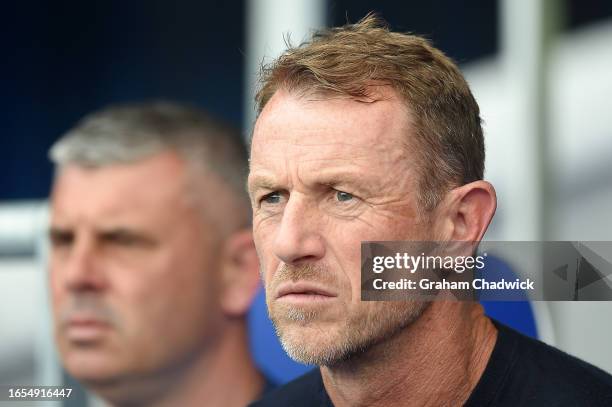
(470,209)
(240,273)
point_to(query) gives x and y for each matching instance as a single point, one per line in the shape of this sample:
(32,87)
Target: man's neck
(437,360)
(222,375)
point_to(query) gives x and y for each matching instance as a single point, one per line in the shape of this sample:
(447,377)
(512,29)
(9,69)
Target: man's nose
(82,268)
(299,237)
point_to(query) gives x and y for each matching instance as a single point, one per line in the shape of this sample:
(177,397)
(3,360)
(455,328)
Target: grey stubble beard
(303,335)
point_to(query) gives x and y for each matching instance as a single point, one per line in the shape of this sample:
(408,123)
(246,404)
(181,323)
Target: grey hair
(131,132)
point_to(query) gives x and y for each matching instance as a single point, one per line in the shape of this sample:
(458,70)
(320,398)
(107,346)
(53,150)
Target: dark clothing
(269,386)
(521,372)
(305,391)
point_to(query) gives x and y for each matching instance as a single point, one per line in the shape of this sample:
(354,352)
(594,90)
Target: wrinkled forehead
(294,126)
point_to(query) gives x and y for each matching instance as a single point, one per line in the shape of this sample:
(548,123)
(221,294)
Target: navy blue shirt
(521,372)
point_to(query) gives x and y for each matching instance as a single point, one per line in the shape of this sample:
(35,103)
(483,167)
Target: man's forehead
(117,191)
(300,121)
(317,134)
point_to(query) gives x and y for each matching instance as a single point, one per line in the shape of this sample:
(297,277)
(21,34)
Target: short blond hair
(348,60)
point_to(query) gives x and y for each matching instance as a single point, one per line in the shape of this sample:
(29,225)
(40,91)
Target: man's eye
(271,198)
(61,238)
(343,196)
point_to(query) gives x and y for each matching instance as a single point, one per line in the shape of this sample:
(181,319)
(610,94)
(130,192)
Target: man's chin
(311,339)
(312,342)
(89,365)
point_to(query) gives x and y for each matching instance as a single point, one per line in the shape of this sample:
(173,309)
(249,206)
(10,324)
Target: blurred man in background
(153,266)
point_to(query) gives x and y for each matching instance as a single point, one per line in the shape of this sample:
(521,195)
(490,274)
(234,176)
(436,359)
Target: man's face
(132,269)
(325,176)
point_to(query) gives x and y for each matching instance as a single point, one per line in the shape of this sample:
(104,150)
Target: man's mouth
(303,292)
(85,328)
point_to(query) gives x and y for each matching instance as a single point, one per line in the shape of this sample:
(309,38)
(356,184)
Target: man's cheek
(58,296)
(260,236)
(264,238)
(263,252)
(269,269)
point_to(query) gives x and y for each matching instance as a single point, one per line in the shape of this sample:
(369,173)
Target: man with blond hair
(153,267)
(365,134)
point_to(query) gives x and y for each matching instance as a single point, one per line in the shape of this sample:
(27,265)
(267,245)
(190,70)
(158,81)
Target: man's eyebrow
(328,178)
(58,229)
(261,181)
(126,234)
(341,177)
(338,178)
